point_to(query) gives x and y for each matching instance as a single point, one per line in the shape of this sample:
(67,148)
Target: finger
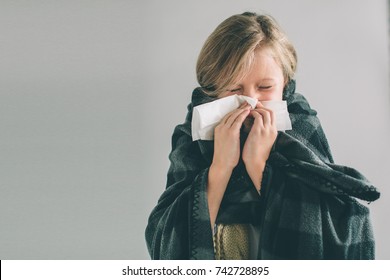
(243,105)
(232,117)
(259,105)
(258,121)
(227,116)
(266,114)
(240,119)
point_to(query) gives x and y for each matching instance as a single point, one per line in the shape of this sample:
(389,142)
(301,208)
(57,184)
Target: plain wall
(90,92)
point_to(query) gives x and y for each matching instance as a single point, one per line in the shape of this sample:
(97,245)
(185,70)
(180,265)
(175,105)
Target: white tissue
(279,107)
(207,116)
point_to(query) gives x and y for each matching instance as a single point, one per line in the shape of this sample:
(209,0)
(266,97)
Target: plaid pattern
(307,207)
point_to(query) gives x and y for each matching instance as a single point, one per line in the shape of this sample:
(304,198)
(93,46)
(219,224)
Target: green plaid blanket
(307,208)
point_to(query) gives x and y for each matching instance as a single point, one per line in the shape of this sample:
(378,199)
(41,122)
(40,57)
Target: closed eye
(235,90)
(265,87)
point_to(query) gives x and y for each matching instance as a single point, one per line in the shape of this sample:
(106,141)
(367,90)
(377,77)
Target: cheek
(276,94)
(226,94)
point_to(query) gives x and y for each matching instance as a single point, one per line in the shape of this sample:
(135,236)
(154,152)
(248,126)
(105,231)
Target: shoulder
(296,102)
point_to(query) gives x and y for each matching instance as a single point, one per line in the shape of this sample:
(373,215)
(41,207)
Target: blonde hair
(228,52)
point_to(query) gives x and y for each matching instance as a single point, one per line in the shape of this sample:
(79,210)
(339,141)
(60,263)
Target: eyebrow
(267,79)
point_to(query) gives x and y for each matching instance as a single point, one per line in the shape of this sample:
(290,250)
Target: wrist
(220,173)
(255,166)
(221,170)
(255,172)
(218,178)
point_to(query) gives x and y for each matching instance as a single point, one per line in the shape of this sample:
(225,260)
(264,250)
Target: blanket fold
(307,208)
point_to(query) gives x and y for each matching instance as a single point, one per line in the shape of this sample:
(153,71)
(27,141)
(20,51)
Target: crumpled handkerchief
(207,116)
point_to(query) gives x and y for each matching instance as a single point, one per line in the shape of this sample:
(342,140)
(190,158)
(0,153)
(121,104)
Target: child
(254,192)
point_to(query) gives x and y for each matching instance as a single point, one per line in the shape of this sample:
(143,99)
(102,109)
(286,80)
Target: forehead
(264,66)
(263,58)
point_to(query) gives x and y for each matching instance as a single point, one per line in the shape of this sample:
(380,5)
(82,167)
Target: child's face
(264,80)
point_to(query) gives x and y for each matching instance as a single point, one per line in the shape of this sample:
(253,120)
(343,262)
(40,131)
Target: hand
(259,143)
(227,138)
(226,157)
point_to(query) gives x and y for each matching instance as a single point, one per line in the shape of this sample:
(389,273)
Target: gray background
(90,92)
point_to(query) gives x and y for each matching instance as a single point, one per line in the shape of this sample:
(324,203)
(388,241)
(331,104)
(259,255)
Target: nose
(251,92)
